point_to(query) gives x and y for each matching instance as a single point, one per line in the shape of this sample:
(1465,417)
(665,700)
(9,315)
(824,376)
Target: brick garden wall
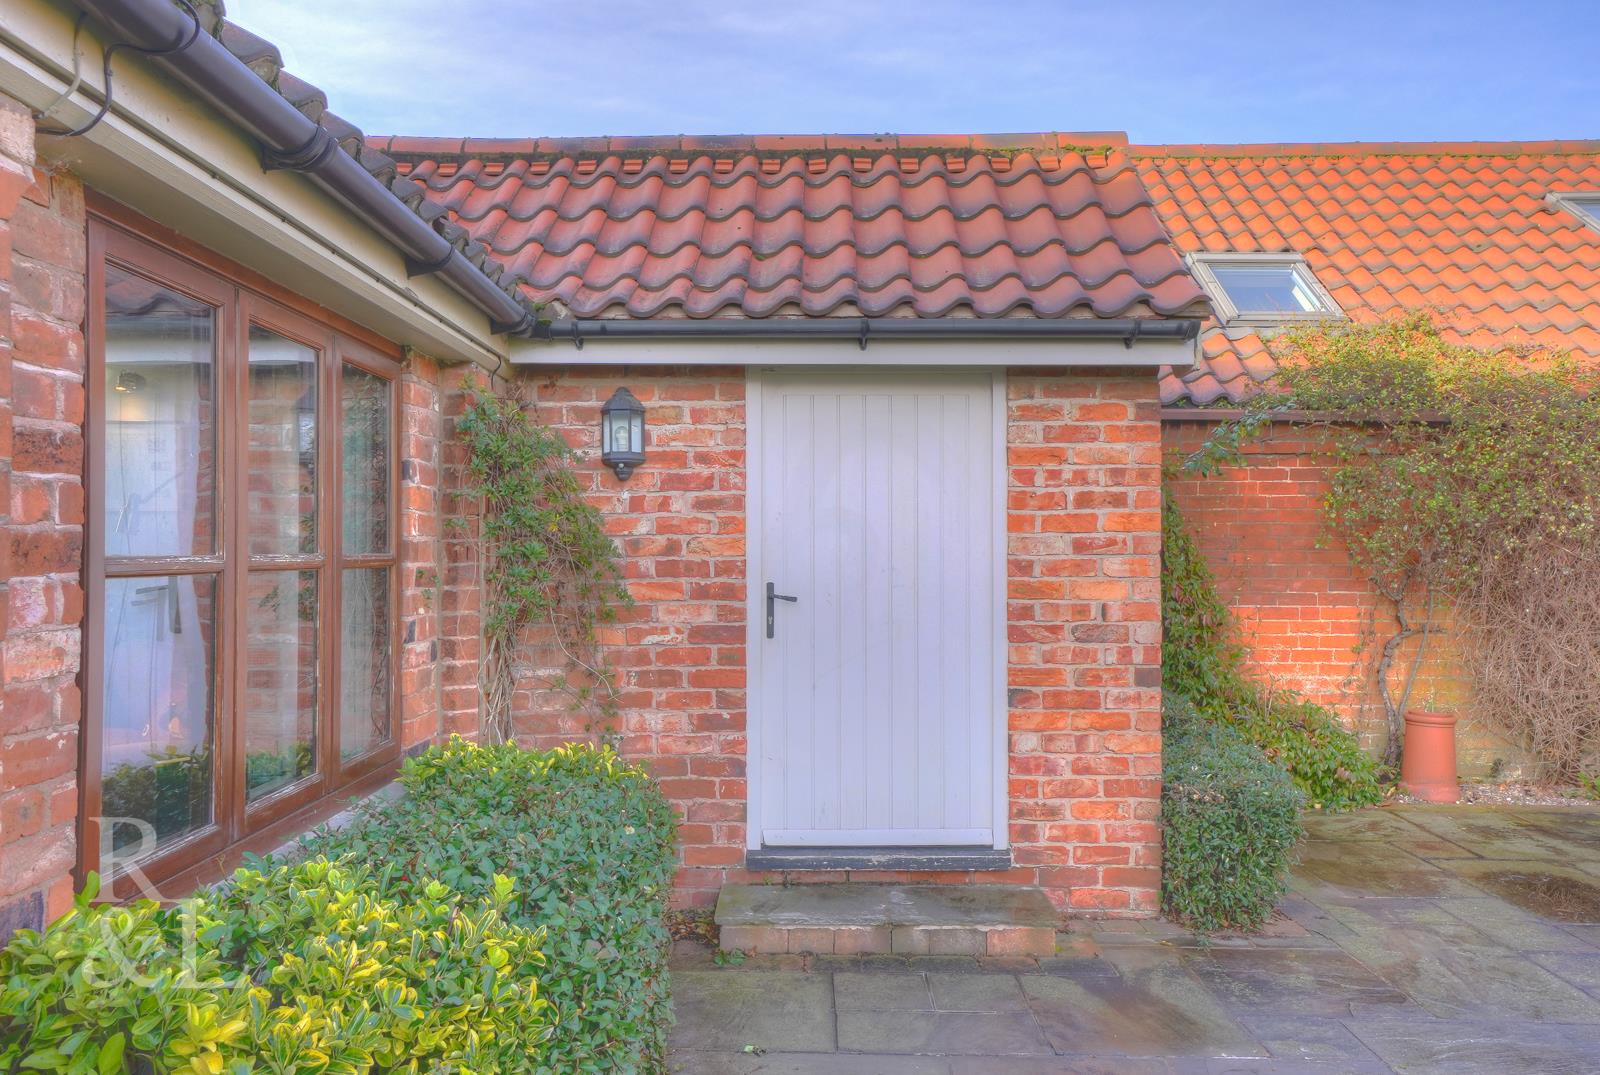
(1083,606)
(1309,618)
(41,513)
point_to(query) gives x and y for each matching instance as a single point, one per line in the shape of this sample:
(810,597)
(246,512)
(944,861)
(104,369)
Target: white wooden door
(876,702)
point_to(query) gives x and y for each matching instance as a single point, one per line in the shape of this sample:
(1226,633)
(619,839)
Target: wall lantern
(622,433)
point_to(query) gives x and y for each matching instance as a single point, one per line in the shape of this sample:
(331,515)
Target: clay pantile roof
(1462,230)
(928,226)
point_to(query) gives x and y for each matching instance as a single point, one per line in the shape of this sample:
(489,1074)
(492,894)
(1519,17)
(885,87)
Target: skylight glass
(1265,288)
(1268,289)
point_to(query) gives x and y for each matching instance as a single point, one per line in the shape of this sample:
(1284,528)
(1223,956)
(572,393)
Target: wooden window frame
(241,299)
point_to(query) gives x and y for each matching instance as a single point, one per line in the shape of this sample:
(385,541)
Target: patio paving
(1415,939)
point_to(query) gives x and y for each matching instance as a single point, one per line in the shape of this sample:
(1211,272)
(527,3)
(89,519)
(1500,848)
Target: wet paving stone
(1414,940)
(1512,927)
(804,1064)
(1471,982)
(1582,969)
(1161,1010)
(1477,1047)
(942,1033)
(1307,1038)
(1378,870)
(1491,834)
(977,993)
(1291,981)
(1543,889)
(881,992)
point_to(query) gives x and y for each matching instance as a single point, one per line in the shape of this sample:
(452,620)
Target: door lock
(772,598)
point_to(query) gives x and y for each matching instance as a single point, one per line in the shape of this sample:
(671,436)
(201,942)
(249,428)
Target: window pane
(156,743)
(280,693)
(364,413)
(1266,289)
(282,512)
(364,660)
(160,442)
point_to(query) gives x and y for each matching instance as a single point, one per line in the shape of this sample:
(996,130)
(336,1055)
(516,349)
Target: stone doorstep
(865,919)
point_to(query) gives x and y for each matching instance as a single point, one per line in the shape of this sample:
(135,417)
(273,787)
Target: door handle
(773,596)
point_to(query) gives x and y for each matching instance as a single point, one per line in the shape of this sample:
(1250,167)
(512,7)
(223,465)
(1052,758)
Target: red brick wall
(41,511)
(680,650)
(1085,634)
(420,550)
(1310,619)
(1084,610)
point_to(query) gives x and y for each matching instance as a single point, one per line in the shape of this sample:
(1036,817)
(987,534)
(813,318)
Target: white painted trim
(755,604)
(990,353)
(1002,662)
(787,838)
(1582,204)
(755,624)
(167,155)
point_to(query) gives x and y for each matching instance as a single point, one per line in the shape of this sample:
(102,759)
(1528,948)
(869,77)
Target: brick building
(894,542)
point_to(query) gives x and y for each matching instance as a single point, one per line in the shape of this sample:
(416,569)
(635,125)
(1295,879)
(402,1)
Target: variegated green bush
(588,841)
(303,970)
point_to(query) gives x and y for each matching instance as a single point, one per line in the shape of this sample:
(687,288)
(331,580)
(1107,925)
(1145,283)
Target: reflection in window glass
(282,512)
(280,692)
(364,417)
(160,438)
(1266,289)
(364,660)
(156,738)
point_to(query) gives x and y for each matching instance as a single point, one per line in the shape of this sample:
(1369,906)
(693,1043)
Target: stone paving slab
(775,1010)
(832,906)
(1415,940)
(943,1033)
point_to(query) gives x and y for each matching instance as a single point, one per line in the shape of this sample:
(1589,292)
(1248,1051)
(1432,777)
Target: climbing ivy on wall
(1465,484)
(1204,661)
(551,576)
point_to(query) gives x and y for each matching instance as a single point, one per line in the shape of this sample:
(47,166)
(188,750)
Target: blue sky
(1164,71)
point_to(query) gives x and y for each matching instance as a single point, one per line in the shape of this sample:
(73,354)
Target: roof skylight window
(1263,288)
(1583,204)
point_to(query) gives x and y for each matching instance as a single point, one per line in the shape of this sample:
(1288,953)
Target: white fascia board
(172,158)
(777,351)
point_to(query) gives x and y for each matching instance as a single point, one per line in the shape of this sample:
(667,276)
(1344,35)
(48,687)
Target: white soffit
(777,351)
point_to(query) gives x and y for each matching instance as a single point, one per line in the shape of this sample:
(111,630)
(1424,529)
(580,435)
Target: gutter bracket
(426,268)
(1133,335)
(866,327)
(308,157)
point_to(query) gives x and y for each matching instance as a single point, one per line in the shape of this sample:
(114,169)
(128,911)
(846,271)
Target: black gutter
(289,139)
(865,329)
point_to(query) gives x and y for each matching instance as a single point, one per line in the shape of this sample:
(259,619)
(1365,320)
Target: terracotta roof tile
(1048,225)
(1462,229)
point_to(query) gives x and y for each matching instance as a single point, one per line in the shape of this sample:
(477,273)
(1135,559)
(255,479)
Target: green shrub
(1230,820)
(1203,660)
(589,844)
(299,971)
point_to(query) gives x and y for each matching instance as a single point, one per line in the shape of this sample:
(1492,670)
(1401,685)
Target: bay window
(241,644)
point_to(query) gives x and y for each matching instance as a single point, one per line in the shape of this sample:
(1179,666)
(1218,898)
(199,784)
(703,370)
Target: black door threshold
(925,859)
